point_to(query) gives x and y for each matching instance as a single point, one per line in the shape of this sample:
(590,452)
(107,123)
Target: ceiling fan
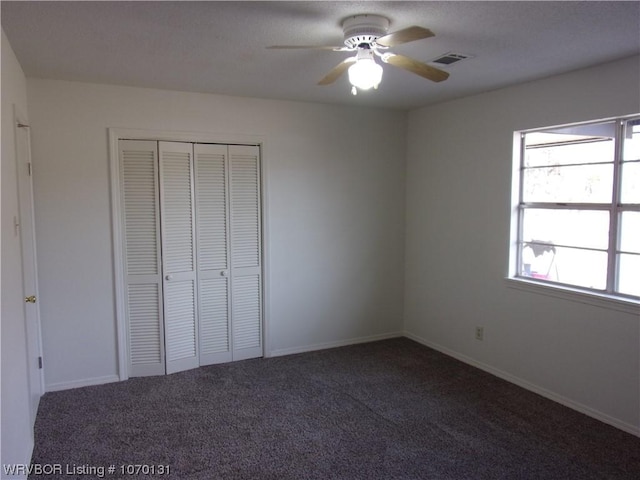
(367,36)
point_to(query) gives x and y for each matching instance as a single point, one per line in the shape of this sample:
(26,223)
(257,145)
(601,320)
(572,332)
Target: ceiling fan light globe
(365,74)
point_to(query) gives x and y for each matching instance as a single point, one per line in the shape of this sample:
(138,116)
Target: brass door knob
(30,299)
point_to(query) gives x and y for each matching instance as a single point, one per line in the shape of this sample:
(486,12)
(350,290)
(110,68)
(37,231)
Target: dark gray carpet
(385,410)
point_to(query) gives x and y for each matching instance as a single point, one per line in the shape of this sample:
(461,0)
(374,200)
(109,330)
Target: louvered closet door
(178,255)
(212,227)
(141,249)
(246,252)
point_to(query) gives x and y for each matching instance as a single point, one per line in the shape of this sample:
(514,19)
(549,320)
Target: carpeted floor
(385,410)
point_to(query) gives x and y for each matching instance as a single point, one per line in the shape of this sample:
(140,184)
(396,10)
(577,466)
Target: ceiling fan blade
(427,71)
(336,71)
(312,47)
(404,36)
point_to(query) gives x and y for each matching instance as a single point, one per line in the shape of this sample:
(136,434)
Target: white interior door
(246,252)
(212,226)
(192,239)
(141,251)
(29,267)
(178,255)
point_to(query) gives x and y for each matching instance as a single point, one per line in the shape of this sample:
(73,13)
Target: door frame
(29,265)
(117,134)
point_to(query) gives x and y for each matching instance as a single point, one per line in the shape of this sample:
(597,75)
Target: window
(577,222)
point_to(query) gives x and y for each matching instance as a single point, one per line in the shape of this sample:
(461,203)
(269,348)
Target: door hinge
(40,362)
(29,167)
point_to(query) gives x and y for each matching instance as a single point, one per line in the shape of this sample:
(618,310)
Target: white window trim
(607,300)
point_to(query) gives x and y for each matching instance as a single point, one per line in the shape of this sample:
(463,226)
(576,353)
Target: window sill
(599,300)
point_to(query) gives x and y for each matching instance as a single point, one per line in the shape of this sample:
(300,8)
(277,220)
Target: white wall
(17,431)
(458,211)
(335,186)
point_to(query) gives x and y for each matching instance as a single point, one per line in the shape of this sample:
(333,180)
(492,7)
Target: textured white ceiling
(219,47)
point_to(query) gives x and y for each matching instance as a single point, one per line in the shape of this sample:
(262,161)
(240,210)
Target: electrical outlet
(479,333)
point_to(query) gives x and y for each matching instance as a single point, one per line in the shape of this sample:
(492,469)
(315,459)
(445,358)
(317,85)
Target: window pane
(631,140)
(551,155)
(583,184)
(572,179)
(582,268)
(630,191)
(629,274)
(630,232)
(579,228)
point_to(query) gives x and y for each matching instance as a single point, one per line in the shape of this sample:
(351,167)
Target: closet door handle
(168,277)
(223,273)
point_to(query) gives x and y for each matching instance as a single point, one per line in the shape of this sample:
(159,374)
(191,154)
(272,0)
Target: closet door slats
(212,206)
(212,165)
(214,320)
(246,248)
(144,328)
(177,211)
(178,255)
(192,238)
(245,201)
(141,249)
(247,334)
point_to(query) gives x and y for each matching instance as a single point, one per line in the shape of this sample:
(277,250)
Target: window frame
(614,208)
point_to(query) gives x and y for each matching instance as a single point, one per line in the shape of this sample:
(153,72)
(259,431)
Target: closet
(192,253)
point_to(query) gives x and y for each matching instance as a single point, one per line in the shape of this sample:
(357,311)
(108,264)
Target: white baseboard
(87,382)
(603,417)
(342,343)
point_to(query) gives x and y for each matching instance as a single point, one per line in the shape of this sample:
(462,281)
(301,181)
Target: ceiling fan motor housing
(364,29)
